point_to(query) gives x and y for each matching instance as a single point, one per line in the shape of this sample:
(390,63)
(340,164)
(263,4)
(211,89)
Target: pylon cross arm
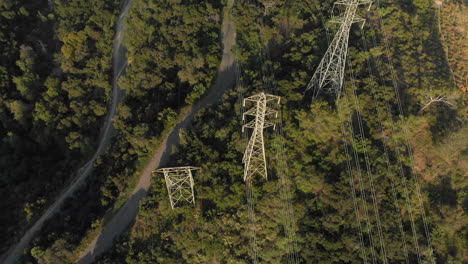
(252,111)
(270,111)
(263,96)
(270,98)
(341,20)
(175,169)
(250,124)
(268,124)
(354,2)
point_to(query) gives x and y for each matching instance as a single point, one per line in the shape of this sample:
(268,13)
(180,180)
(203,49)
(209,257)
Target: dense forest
(408,151)
(217,229)
(55,83)
(160,39)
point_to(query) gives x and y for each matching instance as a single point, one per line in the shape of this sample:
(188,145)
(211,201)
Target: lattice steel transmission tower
(254,156)
(179,182)
(330,72)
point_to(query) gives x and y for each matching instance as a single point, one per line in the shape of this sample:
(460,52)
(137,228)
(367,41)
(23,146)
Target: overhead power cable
(406,135)
(386,153)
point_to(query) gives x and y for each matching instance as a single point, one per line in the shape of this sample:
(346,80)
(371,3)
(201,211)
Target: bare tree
(438,99)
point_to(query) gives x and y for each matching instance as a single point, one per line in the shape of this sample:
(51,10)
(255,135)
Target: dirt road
(128,212)
(119,64)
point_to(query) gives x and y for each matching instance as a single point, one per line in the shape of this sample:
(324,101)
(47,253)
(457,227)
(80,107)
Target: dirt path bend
(107,131)
(128,212)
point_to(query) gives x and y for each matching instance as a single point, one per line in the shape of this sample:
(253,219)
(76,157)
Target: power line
(401,169)
(367,163)
(329,76)
(285,192)
(386,154)
(353,192)
(363,193)
(406,133)
(253,223)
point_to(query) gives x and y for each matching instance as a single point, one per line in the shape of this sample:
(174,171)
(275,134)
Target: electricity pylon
(179,182)
(330,72)
(254,156)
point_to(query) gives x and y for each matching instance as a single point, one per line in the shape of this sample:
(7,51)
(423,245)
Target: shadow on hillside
(124,218)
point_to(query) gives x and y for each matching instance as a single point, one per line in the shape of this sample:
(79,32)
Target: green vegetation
(160,39)
(55,77)
(217,229)
(55,74)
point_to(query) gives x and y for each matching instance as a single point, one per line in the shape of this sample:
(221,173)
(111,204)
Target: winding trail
(124,217)
(107,132)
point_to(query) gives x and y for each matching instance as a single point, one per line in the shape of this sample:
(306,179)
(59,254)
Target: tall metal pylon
(330,72)
(179,182)
(254,156)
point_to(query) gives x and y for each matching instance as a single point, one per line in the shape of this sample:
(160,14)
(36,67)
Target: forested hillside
(378,172)
(55,76)
(173,52)
(217,229)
